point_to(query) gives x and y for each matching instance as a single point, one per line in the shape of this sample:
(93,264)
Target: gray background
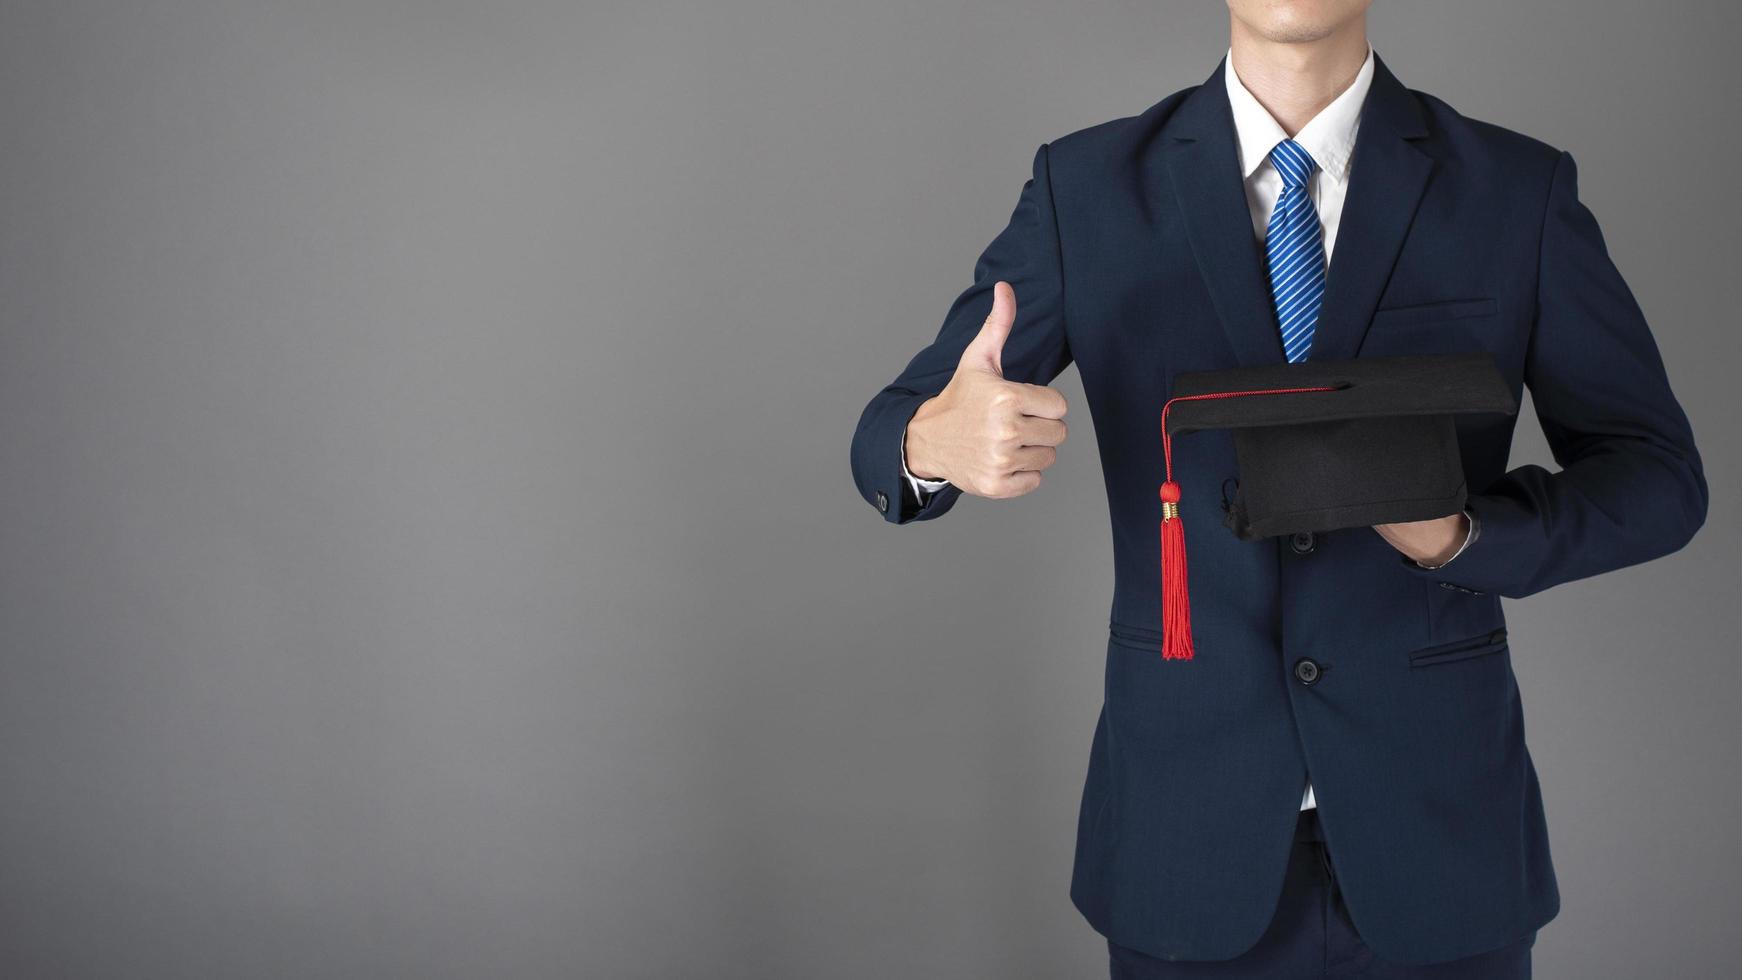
(427,547)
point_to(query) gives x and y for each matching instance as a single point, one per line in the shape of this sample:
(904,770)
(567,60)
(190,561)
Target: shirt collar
(1329,137)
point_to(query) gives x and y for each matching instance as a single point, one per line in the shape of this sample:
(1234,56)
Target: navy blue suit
(1132,255)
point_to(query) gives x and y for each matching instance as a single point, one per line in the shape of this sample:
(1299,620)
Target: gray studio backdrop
(427,547)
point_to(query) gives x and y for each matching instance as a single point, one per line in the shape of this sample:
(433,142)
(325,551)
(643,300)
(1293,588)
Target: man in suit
(1338,784)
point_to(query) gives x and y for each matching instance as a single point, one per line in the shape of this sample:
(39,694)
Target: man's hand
(1429,543)
(986,435)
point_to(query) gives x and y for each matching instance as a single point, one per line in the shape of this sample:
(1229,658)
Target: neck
(1294,80)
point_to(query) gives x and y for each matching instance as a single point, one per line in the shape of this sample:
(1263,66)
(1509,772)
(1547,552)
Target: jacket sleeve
(1026,255)
(1630,486)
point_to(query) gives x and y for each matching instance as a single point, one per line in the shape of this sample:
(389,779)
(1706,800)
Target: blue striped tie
(1296,252)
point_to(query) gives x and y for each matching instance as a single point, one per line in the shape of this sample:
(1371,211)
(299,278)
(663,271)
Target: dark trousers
(1312,936)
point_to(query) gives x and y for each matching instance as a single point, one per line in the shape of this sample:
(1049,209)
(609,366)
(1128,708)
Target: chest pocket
(1447,327)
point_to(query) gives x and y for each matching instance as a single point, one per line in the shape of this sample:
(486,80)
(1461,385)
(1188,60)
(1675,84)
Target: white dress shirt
(1329,138)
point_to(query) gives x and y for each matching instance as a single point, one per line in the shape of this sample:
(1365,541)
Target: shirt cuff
(1469,539)
(922,488)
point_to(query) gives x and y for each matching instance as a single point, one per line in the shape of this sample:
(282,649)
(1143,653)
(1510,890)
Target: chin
(1296,21)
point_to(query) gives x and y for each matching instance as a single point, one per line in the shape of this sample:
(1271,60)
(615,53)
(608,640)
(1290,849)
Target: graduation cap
(1321,445)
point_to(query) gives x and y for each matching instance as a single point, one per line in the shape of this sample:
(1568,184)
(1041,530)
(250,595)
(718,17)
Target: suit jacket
(1132,254)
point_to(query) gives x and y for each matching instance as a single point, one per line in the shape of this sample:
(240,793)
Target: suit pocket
(1134,638)
(1454,309)
(1481,645)
(1454,326)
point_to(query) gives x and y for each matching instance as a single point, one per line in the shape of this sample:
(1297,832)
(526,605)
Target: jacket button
(1306,670)
(882,502)
(1302,542)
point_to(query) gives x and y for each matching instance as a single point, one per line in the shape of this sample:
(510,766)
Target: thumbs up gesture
(986,435)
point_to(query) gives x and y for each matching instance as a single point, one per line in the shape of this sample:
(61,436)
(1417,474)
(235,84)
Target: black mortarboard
(1321,445)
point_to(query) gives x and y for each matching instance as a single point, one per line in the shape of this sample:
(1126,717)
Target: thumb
(986,351)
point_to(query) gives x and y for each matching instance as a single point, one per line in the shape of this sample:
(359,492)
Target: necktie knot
(1293,162)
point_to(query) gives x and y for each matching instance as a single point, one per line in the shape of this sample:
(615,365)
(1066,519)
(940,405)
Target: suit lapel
(1387,177)
(1203,175)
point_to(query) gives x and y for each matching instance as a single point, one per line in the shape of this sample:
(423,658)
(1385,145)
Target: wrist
(915,448)
(1465,532)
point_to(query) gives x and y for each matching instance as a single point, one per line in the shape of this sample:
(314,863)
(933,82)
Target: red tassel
(1176,607)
